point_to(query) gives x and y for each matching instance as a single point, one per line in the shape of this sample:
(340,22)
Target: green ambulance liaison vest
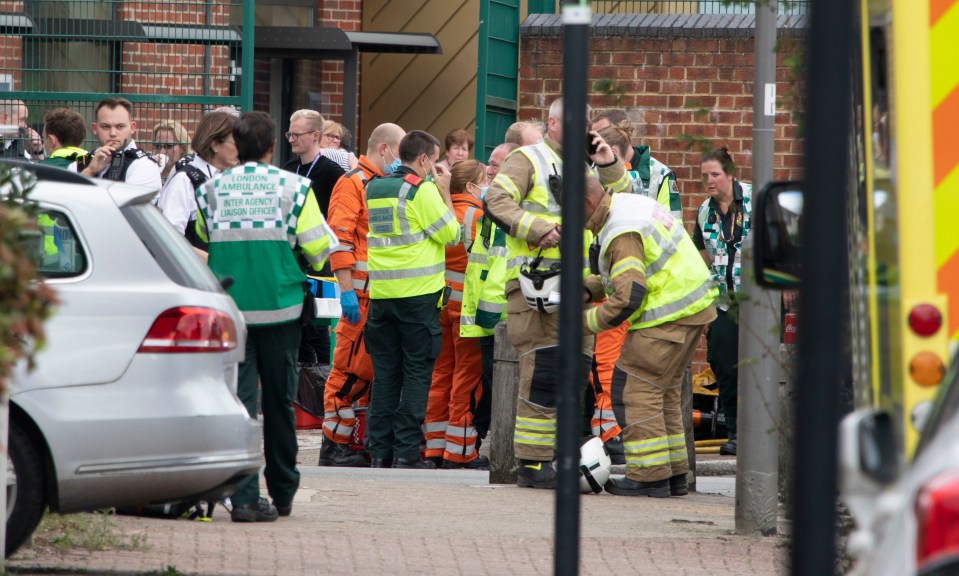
(253,215)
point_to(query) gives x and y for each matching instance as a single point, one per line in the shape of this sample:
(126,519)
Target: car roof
(122,194)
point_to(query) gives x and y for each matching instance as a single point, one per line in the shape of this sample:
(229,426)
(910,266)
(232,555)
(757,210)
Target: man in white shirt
(114,130)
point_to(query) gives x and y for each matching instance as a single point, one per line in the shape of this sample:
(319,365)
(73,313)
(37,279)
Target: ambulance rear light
(925,319)
(926,369)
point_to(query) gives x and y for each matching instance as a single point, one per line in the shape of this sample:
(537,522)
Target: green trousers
(271,354)
(403,338)
(722,353)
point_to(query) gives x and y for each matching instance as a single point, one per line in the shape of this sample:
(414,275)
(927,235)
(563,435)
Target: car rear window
(170,249)
(53,246)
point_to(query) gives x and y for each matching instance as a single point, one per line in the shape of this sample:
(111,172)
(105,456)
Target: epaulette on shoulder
(356,171)
(413,179)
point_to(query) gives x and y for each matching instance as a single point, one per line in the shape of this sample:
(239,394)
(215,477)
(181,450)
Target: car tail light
(937,519)
(190,329)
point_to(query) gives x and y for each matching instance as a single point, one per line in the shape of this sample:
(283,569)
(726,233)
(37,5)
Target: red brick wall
(670,87)
(11,56)
(173,69)
(346,15)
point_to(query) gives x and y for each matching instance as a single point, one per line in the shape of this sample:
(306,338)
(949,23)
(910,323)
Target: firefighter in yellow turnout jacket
(522,201)
(658,283)
(411,221)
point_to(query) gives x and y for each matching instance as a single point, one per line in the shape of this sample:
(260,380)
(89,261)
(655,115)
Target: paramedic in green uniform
(253,215)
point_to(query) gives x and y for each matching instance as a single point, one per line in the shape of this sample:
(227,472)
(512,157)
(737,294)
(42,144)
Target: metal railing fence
(692,6)
(173,59)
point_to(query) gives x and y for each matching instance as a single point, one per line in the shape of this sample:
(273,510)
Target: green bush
(24,301)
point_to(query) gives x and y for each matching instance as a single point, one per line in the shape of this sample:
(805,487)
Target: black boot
(534,474)
(262,511)
(728,448)
(479,463)
(677,485)
(627,487)
(414,464)
(617,452)
(334,454)
(381,463)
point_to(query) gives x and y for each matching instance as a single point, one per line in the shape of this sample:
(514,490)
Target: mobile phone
(590,146)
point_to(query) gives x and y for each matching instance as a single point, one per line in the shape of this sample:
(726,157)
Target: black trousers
(271,354)
(403,338)
(722,353)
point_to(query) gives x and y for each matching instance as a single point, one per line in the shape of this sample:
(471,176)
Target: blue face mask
(483,192)
(391,167)
(388,169)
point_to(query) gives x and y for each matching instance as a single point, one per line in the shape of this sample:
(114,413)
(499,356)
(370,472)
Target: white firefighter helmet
(538,284)
(594,465)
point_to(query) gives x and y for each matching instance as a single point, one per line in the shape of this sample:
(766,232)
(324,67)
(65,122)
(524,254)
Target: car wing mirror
(868,461)
(777,213)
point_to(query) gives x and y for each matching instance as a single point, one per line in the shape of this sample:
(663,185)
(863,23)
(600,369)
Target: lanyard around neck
(311,166)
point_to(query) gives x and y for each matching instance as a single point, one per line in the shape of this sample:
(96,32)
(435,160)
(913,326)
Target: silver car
(133,400)
(907,518)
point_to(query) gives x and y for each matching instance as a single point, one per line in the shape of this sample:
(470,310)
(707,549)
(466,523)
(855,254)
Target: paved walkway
(449,522)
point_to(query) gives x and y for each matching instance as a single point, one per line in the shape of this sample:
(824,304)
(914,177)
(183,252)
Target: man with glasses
(306,130)
(411,221)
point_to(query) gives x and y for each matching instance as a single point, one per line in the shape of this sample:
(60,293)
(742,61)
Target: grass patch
(90,531)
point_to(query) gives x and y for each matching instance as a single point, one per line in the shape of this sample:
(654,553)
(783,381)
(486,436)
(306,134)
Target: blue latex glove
(351,306)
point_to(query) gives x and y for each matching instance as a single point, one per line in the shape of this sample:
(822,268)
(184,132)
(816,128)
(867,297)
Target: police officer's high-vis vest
(253,215)
(678,283)
(538,203)
(484,290)
(718,247)
(409,226)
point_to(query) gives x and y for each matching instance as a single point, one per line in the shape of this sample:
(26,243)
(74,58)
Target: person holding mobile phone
(525,199)
(118,156)
(17,139)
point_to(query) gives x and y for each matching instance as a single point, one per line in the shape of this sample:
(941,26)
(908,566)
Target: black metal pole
(576,20)
(823,231)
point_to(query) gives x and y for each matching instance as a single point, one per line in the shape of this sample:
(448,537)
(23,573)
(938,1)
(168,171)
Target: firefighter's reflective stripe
(535,431)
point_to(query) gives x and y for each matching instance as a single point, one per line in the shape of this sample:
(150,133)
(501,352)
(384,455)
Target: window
(53,246)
